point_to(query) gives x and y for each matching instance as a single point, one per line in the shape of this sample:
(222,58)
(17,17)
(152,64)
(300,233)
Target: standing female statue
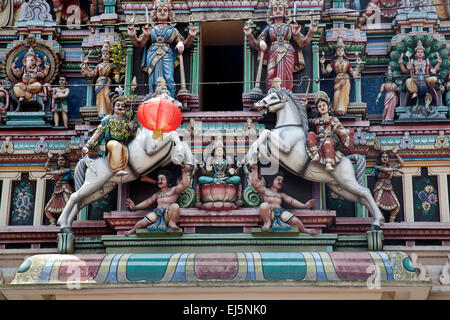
(391,97)
(342,68)
(103,71)
(159,57)
(284,41)
(383,191)
(62,191)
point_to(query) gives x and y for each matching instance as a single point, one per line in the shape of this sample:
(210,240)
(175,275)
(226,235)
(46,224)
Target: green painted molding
(315,62)
(129,67)
(227,242)
(195,62)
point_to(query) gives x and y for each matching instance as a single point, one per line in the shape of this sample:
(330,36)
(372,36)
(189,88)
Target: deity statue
(65,8)
(113,134)
(217,168)
(341,67)
(167,212)
(59,101)
(103,72)
(30,86)
(383,191)
(390,98)
(284,42)
(62,191)
(165,42)
(219,186)
(274,216)
(422,72)
(321,146)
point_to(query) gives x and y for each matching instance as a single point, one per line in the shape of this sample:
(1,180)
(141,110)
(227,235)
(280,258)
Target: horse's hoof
(65,230)
(375,227)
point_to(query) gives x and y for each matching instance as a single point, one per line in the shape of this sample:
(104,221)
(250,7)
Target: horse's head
(181,154)
(274,101)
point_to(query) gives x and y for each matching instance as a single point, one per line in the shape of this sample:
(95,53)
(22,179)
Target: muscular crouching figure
(167,211)
(273,215)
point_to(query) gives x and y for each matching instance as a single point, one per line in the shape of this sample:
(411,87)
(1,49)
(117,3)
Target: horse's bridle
(267,105)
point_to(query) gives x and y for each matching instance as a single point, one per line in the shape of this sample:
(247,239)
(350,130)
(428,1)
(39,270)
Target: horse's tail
(80,173)
(360,169)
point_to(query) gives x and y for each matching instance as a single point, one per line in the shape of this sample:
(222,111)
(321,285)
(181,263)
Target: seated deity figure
(274,216)
(321,146)
(112,135)
(31,75)
(217,168)
(341,67)
(422,79)
(281,43)
(167,212)
(219,187)
(165,43)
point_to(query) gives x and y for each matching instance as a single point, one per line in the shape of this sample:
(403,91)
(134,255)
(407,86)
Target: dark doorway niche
(222,66)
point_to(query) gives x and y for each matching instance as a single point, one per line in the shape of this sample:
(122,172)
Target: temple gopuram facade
(199,149)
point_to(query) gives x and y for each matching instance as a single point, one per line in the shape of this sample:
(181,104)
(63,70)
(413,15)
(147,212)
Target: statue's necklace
(219,164)
(164,194)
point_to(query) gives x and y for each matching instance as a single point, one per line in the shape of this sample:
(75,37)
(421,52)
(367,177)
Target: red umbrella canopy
(159,115)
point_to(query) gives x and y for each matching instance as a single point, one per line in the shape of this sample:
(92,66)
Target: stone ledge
(47,234)
(190,218)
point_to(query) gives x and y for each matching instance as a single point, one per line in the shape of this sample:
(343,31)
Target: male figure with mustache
(167,211)
(271,212)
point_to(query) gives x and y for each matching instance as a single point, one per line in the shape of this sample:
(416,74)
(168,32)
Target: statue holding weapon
(165,44)
(280,44)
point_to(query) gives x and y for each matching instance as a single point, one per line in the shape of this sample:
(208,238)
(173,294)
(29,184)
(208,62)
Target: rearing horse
(94,179)
(286,144)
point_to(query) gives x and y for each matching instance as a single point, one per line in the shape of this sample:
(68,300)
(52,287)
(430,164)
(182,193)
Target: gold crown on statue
(163,3)
(276,83)
(30,52)
(218,143)
(389,71)
(340,43)
(419,46)
(273,3)
(321,95)
(105,47)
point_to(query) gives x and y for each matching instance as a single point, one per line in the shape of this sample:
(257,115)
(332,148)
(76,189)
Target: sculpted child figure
(167,212)
(273,214)
(59,102)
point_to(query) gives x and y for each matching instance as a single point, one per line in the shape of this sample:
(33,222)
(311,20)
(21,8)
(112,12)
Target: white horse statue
(286,143)
(94,180)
